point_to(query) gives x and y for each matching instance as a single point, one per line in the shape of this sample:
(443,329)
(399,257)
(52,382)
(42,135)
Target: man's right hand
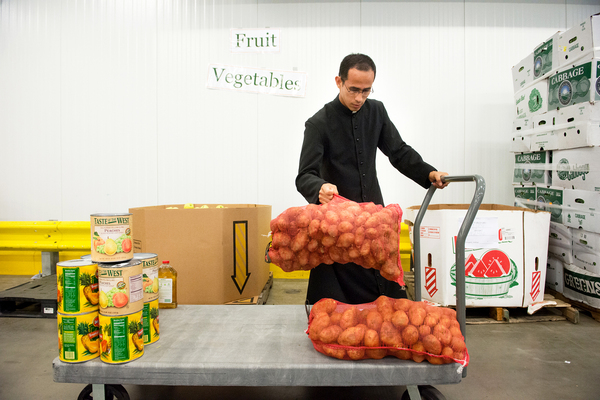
(326,193)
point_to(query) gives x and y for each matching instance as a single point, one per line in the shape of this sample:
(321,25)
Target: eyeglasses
(363,92)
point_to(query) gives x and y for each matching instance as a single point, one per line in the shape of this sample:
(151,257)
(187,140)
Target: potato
(303,219)
(324,305)
(332,217)
(420,348)
(330,334)
(432,345)
(374,320)
(410,335)
(417,315)
(443,334)
(365,248)
(371,233)
(390,336)
(324,226)
(328,241)
(400,319)
(320,322)
(384,302)
(424,330)
(371,338)
(354,254)
(314,260)
(449,312)
(302,258)
(286,253)
(457,344)
(282,222)
(345,240)
(314,228)
(335,253)
(431,320)
(352,336)
(362,218)
(356,354)
(332,230)
(401,354)
(281,239)
(376,354)
(345,227)
(456,332)
(359,237)
(335,318)
(372,222)
(445,321)
(402,304)
(362,316)
(372,208)
(459,355)
(275,256)
(334,352)
(448,352)
(435,360)
(349,318)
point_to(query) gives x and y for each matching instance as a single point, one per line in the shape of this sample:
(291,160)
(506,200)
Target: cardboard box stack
(556,145)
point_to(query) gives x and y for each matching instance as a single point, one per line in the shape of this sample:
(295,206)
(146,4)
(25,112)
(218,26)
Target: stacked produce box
(556,145)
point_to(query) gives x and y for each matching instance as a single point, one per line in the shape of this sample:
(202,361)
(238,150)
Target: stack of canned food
(108,301)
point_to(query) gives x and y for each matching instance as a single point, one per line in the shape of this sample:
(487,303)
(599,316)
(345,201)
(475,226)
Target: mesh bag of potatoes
(341,231)
(399,328)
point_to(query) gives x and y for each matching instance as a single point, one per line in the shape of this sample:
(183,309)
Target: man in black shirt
(338,157)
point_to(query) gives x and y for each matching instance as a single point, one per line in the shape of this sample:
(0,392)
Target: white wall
(104,105)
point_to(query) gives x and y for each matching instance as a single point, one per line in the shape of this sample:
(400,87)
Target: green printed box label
(570,87)
(584,284)
(551,200)
(542,59)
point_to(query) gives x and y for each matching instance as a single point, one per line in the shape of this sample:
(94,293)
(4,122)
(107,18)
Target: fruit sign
(491,275)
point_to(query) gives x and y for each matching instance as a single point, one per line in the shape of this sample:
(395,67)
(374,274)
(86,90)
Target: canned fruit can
(151,322)
(112,239)
(121,288)
(78,337)
(121,338)
(150,275)
(77,286)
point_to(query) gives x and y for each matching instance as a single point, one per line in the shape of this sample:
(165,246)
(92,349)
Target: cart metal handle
(460,243)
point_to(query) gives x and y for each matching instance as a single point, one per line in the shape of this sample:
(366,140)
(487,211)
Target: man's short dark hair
(359,61)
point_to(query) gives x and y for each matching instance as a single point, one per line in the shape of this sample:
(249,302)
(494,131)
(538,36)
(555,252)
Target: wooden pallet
(560,311)
(261,299)
(594,312)
(36,298)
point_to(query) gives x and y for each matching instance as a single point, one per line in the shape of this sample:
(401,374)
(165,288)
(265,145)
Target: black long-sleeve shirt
(340,147)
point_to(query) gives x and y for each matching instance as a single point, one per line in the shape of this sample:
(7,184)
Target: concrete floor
(541,360)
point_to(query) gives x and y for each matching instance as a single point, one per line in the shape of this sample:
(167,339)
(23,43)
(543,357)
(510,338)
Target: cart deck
(227,345)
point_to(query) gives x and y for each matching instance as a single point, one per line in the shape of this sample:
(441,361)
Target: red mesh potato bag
(400,328)
(340,231)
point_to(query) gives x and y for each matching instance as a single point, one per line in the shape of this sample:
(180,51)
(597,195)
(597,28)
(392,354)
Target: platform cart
(241,345)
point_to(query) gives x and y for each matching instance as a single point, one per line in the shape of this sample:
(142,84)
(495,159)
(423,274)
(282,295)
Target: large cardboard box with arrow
(217,250)
(506,254)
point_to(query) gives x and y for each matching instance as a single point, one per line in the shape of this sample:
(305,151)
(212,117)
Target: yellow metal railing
(27,247)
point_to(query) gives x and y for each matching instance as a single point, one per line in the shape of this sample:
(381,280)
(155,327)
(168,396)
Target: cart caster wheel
(111,392)
(427,393)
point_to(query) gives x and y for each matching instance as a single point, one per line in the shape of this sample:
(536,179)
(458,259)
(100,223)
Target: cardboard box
(560,243)
(520,144)
(532,100)
(532,168)
(586,250)
(218,252)
(544,136)
(521,125)
(578,41)
(555,274)
(545,57)
(582,210)
(577,168)
(573,84)
(525,196)
(551,199)
(506,254)
(582,285)
(578,125)
(522,73)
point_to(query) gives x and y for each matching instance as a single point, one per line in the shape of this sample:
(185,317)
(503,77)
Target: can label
(150,321)
(78,337)
(121,338)
(112,239)
(77,287)
(121,288)
(150,275)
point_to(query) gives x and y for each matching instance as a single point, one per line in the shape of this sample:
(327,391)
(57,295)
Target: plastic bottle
(167,282)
